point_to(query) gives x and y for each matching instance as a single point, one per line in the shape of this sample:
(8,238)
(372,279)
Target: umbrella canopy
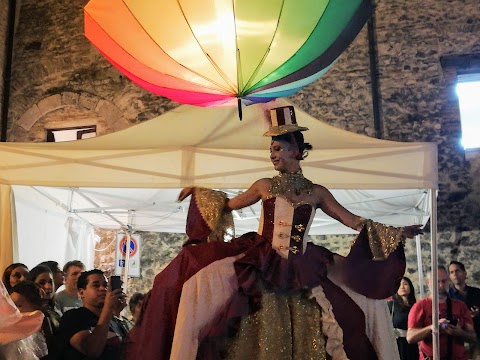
(221,52)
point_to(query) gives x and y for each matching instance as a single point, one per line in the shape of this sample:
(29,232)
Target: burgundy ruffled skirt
(256,266)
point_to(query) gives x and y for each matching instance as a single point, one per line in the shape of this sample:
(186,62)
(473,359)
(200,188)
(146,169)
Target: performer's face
(284,156)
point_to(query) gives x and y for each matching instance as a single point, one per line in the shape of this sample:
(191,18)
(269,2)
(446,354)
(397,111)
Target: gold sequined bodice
(290,184)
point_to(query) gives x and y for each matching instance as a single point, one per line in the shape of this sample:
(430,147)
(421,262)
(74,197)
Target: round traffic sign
(133,246)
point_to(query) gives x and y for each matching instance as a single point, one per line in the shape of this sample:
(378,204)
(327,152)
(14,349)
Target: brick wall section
(52,56)
(342,97)
(418,101)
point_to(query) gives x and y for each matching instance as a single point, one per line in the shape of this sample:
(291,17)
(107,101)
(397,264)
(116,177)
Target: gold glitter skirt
(286,327)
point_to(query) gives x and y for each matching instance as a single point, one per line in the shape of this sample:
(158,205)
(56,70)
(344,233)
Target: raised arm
(331,207)
(249,197)
(254,193)
(327,203)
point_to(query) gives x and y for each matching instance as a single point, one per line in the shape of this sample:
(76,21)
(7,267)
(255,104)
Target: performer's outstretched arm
(254,194)
(331,207)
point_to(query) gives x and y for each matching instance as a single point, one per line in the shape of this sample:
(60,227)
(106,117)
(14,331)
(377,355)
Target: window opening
(71,133)
(468,90)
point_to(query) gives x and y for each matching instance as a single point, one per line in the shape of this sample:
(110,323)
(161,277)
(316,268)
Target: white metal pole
(127,258)
(434,272)
(130,231)
(421,277)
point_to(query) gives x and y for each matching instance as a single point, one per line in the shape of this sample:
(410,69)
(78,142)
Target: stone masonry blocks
(29,117)
(50,103)
(88,101)
(108,111)
(70,98)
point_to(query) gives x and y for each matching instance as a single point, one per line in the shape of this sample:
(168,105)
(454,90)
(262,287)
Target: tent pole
(79,192)
(127,255)
(127,258)
(128,243)
(434,276)
(421,279)
(70,200)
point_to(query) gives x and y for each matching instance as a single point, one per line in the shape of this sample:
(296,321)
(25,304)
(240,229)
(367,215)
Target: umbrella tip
(240,109)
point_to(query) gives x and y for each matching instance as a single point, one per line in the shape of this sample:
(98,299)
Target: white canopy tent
(384,180)
(205,147)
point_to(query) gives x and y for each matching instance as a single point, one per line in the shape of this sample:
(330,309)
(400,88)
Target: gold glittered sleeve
(211,204)
(383,239)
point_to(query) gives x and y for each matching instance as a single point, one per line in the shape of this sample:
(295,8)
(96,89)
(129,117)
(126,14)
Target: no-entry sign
(121,253)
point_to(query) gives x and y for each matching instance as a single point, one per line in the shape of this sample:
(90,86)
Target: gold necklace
(290,183)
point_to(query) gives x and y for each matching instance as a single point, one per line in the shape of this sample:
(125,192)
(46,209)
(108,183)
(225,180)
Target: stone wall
(419,100)
(157,250)
(53,59)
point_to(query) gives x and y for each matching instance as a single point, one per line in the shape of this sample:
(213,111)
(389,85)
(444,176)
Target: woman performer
(272,294)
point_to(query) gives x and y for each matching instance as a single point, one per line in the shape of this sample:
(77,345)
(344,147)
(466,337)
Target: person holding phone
(455,323)
(92,330)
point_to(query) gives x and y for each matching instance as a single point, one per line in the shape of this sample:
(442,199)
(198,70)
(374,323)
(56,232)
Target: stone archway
(67,109)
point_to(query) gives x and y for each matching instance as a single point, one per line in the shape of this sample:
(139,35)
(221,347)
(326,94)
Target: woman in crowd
(14,274)
(43,277)
(399,307)
(58,274)
(271,294)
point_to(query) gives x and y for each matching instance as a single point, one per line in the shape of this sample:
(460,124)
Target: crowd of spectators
(458,317)
(82,315)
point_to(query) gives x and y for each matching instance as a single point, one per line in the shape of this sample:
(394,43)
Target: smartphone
(115,282)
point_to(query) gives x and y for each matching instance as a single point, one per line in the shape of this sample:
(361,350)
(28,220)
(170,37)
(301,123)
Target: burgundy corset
(286,225)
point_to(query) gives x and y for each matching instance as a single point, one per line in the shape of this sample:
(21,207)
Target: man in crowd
(469,295)
(455,323)
(92,331)
(69,298)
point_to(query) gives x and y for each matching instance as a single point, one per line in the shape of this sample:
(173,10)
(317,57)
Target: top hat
(283,121)
(15,325)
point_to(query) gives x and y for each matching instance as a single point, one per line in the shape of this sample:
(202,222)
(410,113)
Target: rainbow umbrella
(223,52)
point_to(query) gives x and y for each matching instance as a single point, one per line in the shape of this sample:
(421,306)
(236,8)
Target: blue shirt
(471,299)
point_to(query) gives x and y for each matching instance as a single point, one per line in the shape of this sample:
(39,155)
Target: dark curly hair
(295,138)
(31,292)
(83,278)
